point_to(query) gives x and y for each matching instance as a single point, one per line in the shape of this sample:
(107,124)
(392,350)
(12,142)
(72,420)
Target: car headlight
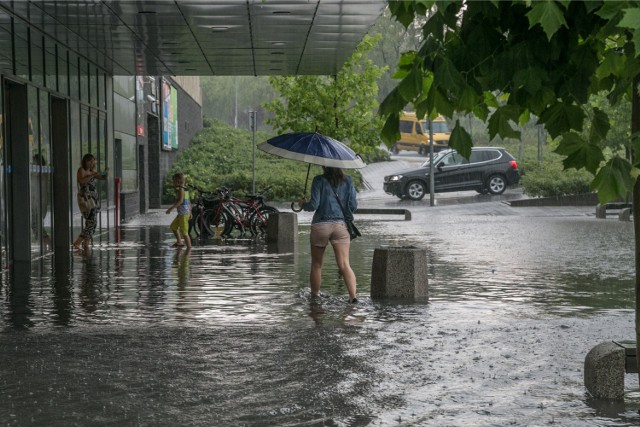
(395,177)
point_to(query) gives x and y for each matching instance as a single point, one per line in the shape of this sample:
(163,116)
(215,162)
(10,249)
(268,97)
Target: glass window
(6,57)
(102,99)
(50,64)
(129,161)
(84,81)
(37,57)
(125,86)
(477,156)
(406,126)
(76,155)
(124,114)
(440,127)
(43,164)
(74,80)
(63,71)
(492,155)
(21,38)
(34,186)
(93,86)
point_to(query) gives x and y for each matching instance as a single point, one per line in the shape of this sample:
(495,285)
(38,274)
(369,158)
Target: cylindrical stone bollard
(604,371)
(282,231)
(625,214)
(400,273)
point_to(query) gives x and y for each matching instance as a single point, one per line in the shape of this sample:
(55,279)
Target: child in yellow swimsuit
(180,225)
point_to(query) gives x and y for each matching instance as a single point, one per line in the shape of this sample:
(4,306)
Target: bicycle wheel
(235,217)
(216,223)
(258,219)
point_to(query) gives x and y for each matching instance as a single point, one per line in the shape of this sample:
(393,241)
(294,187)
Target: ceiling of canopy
(206,37)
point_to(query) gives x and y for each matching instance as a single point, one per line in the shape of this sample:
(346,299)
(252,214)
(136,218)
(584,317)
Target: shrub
(222,156)
(550,180)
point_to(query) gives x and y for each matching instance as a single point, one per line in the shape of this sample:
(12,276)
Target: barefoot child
(180,225)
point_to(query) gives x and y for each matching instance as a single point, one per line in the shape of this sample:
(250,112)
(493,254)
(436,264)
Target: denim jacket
(323,200)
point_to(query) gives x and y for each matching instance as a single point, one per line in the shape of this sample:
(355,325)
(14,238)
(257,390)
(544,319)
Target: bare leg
(176,233)
(317,255)
(187,240)
(341,251)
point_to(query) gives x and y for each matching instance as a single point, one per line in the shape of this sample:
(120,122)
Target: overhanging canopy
(206,37)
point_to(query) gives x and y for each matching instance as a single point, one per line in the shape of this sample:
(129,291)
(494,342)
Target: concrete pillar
(604,371)
(625,214)
(282,231)
(601,211)
(400,273)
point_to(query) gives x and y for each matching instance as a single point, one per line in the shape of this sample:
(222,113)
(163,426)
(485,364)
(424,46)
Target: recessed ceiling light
(278,43)
(219,28)
(277,53)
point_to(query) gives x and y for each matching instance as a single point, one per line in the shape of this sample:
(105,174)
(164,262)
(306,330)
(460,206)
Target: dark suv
(488,170)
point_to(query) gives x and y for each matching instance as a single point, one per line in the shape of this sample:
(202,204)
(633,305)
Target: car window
(493,154)
(454,159)
(418,129)
(406,126)
(477,156)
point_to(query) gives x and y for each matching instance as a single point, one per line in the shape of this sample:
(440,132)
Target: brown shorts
(323,233)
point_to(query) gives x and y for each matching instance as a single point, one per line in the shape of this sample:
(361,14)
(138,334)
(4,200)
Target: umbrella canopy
(313,148)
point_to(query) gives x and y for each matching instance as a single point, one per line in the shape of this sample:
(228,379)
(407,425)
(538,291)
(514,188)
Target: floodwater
(141,334)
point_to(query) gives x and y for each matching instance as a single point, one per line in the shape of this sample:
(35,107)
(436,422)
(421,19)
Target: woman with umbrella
(329,193)
(333,197)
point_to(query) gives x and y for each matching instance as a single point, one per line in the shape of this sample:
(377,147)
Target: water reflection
(140,333)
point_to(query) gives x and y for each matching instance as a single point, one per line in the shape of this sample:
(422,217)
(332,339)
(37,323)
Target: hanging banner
(169,116)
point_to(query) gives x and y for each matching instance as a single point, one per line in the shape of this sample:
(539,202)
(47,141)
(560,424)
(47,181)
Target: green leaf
(580,154)
(402,11)
(391,130)
(499,122)
(560,118)
(460,140)
(548,15)
(411,85)
(599,126)
(393,103)
(630,18)
(613,180)
(468,99)
(612,64)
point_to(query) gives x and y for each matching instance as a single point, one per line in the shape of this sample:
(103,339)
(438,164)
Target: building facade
(58,105)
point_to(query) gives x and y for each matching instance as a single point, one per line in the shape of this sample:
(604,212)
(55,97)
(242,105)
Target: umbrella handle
(294,209)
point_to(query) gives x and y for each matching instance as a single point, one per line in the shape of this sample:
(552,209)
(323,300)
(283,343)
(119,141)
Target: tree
(341,106)
(504,61)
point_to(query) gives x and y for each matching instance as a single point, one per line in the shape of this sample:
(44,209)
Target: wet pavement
(141,333)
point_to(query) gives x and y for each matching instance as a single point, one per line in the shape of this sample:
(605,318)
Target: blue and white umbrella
(313,148)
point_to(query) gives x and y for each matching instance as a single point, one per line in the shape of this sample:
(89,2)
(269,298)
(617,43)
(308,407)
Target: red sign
(140,130)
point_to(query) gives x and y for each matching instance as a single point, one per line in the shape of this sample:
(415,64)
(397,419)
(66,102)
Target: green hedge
(550,180)
(222,156)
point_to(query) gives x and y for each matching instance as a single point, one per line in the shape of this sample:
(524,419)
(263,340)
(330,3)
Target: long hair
(333,175)
(86,159)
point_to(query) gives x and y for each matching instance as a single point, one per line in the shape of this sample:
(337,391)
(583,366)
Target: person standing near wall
(87,183)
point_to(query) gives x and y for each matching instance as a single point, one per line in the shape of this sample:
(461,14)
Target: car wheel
(395,150)
(422,151)
(415,190)
(496,184)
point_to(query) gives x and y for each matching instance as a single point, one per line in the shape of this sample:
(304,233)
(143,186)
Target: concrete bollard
(601,211)
(604,370)
(282,231)
(625,214)
(400,273)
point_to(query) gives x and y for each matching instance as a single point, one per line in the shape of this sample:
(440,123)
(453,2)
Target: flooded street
(138,334)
